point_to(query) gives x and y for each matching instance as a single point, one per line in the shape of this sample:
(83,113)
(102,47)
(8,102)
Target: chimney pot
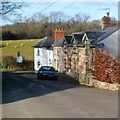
(59,33)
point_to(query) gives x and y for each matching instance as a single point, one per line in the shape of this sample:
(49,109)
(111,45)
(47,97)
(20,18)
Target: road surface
(26,97)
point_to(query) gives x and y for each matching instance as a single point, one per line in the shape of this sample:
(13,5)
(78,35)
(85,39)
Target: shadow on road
(22,85)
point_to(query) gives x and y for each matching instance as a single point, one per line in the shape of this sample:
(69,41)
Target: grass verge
(24,46)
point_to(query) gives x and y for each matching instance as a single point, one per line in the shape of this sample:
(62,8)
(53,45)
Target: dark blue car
(47,72)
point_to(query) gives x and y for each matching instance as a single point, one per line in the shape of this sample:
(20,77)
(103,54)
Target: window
(74,49)
(38,64)
(50,62)
(47,68)
(38,52)
(101,45)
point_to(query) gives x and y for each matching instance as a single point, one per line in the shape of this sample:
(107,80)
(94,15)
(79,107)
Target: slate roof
(59,42)
(64,39)
(45,42)
(94,35)
(111,43)
(94,38)
(68,38)
(107,32)
(78,37)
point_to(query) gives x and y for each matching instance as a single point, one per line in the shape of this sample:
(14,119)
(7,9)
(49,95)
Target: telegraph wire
(42,10)
(95,13)
(67,6)
(50,6)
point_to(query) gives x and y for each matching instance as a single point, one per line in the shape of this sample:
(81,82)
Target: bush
(106,67)
(9,63)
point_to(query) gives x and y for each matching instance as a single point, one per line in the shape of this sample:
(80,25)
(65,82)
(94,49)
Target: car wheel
(38,77)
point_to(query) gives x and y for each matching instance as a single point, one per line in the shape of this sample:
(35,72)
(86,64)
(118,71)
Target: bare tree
(9,8)
(56,17)
(114,21)
(78,17)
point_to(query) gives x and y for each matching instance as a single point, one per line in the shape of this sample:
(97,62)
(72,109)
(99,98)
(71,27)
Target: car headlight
(44,74)
(56,74)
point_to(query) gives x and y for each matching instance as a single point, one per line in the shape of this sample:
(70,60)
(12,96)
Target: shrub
(9,63)
(106,67)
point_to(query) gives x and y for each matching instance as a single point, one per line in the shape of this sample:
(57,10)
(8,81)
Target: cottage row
(74,53)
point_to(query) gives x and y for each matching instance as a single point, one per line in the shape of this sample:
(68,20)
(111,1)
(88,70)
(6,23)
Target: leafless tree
(56,17)
(9,8)
(114,22)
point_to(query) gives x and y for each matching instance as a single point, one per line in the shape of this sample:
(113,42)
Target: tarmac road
(26,97)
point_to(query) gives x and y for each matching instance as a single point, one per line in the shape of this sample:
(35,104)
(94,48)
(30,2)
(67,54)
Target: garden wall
(87,80)
(69,76)
(103,85)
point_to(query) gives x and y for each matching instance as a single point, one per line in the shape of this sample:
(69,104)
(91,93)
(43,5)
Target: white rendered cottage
(43,50)
(111,40)
(43,53)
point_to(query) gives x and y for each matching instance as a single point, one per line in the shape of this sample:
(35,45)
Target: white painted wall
(111,43)
(44,58)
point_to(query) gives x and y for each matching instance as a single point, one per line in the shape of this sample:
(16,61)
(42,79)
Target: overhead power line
(50,6)
(67,6)
(43,10)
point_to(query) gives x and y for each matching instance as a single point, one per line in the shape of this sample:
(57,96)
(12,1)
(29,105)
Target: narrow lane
(26,97)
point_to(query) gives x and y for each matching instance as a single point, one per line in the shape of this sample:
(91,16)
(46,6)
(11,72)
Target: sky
(70,8)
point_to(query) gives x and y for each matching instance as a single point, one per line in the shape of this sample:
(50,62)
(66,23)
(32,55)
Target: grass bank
(11,48)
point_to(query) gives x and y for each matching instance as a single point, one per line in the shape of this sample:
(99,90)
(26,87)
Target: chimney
(106,21)
(58,34)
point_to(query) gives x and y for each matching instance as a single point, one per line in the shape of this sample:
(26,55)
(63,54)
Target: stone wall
(103,85)
(83,78)
(69,76)
(68,58)
(87,80)
(58,62)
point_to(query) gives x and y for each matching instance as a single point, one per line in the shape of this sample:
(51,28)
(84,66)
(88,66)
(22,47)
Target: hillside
(24,46)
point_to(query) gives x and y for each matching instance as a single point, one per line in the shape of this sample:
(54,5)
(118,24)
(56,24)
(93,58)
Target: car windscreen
(47,69)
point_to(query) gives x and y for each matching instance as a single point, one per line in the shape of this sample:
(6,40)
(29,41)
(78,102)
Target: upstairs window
(38,52)
(50,61)
(38,64)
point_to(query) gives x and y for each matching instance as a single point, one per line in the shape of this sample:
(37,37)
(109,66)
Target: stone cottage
(73,53)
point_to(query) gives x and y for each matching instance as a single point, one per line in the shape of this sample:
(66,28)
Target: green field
(26,50)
